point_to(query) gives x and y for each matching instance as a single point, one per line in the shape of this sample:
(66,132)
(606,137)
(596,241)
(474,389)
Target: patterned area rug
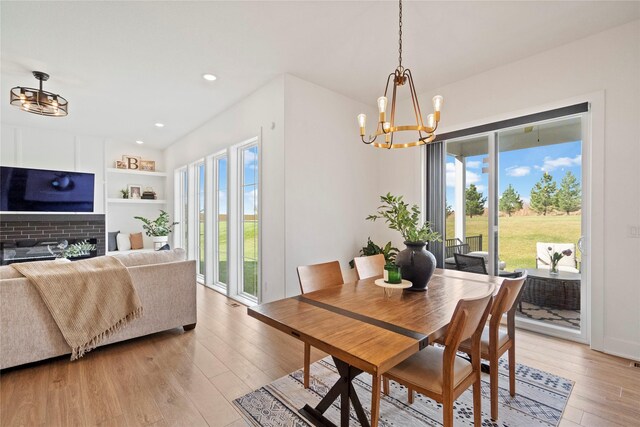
(540,400)
(555,316)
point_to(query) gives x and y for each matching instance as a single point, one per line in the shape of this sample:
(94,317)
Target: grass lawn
(250,254)
(519,234)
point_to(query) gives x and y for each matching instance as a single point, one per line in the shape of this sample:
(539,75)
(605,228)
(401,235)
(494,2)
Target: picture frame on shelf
(131,162)
(120,164)
(135,191)
(148,165)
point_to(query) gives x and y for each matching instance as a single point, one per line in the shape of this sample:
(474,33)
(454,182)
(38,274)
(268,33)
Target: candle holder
(392,274)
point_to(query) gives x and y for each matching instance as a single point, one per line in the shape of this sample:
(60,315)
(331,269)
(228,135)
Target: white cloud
(481,188)
(518,171)
(474,164)
(471,177)
(561,162)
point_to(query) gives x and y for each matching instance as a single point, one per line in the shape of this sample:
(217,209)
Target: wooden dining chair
(314,278)
(494,342)
(470,263)
(369,266)
(437,373)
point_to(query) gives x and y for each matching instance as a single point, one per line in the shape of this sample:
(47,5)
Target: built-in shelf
(136,172)
(141,201)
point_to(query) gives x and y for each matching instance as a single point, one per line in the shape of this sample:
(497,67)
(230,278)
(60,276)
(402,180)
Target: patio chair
(470,263)
(567,263)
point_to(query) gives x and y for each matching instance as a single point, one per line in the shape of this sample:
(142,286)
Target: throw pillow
(136,241)
(112,241)
(165,248)
(124,244)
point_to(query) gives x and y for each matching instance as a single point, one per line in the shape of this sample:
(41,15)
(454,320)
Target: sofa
(165,283)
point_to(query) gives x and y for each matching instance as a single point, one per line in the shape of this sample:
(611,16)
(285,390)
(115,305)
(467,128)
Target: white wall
(331,179)
(47,149)
(260,114)
(609,62)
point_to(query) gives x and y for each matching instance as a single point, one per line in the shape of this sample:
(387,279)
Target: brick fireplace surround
(42,227)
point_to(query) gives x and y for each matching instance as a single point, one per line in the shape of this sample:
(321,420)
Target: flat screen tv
(39,190)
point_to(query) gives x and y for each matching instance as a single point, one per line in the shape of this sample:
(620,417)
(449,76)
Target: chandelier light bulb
(382,107)
(437,102)
(362,122)
(386,126)
(431,121)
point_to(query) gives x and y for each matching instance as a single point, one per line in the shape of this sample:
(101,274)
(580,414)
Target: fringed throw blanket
(88,299)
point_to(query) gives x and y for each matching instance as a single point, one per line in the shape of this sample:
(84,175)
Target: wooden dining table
(366,331)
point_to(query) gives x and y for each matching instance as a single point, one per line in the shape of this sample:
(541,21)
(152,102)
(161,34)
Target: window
(220,221)
(181,208)
(217,204)
(249,219)
(200,217)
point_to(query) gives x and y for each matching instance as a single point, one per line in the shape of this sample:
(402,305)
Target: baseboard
(622,348)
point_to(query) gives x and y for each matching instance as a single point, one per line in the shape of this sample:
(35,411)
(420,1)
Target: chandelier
(400,77)
(38,101)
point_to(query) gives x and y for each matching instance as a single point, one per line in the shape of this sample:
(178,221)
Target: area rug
(555,316)
(540,400)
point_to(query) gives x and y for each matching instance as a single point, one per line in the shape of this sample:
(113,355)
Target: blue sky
(250,179)
(521,168)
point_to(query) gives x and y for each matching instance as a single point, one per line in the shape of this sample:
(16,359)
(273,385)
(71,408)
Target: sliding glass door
(540,214)
(514,198)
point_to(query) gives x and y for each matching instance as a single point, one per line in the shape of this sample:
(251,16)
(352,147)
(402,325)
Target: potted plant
(416,263)
(388,251)
(158,228)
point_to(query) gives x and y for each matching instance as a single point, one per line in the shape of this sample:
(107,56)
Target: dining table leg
(343,389)
(375,399)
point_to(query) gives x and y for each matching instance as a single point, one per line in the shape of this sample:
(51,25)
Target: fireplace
(35,237)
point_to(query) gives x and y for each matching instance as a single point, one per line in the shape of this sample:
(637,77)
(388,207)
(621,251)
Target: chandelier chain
(400,37)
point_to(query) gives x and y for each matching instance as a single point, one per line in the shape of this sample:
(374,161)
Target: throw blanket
(88,299)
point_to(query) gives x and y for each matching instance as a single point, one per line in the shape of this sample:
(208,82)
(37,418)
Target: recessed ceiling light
(209,77)
(139,142)
(159,125)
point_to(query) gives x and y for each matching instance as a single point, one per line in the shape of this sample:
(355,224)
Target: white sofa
(164,281)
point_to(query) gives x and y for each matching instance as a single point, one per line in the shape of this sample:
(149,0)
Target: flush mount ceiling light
(209,77)
(139,142)
(401,76)
(159,125)
(38,101)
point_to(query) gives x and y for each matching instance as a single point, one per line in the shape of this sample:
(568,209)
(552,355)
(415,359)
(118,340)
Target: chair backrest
(543,259)
(505,302)
(319,276)
(468,319)
(470,263)
(369,266)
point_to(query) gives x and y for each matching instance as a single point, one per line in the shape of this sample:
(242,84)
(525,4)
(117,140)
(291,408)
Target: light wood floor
(185,379)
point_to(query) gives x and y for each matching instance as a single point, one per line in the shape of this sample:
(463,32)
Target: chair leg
(385,385)
(493,386)
(447,412)
(477,402)
(307,362)
(512,369)
(410,395)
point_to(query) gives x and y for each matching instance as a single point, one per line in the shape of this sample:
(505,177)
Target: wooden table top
(356,323)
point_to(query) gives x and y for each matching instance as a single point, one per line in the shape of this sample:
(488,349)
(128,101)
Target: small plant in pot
(416,263)
(158,228)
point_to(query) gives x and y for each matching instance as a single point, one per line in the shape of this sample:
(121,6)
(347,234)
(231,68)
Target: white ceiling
(125,65)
